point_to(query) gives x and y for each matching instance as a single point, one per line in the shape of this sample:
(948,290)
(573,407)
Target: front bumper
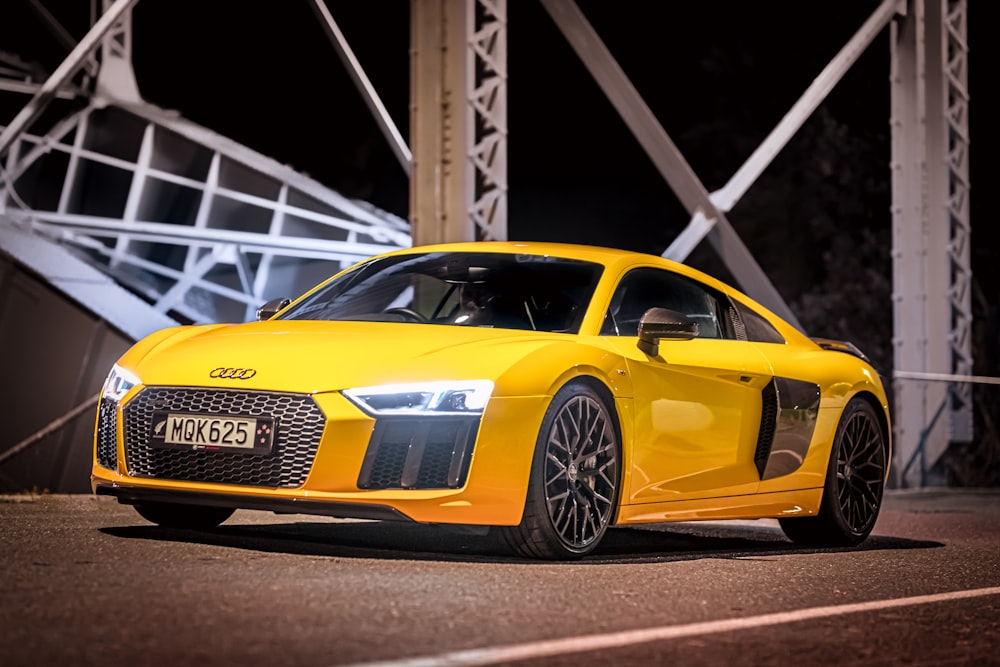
(134,495)
(333,477)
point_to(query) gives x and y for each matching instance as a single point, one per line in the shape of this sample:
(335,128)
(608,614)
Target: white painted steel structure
(458,185)
(458,124)
(931,231)
(665,155)
(931,226)
(197,224)
(194,222)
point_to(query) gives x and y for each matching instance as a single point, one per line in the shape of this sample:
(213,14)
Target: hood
(319,356)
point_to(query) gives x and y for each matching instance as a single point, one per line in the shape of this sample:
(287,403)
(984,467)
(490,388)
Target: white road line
(553,647)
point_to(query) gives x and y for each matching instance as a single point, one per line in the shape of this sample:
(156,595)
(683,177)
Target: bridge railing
(972,462)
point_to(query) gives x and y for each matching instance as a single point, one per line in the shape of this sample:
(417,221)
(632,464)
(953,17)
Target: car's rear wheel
(194,517)
(855,479)
(575,475)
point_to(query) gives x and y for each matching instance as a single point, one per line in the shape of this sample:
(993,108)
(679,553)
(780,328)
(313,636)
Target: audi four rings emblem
(233,373)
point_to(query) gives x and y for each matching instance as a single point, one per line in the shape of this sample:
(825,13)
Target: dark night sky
(264,73)
(291,98)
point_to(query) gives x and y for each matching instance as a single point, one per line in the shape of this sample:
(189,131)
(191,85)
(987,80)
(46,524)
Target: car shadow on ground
(419,542)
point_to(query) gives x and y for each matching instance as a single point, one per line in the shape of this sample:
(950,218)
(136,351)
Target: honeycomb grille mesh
(107,432)
(419,453)
(298,424)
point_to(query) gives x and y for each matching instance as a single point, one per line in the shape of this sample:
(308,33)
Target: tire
(192,517)
(575,477)
(855,480)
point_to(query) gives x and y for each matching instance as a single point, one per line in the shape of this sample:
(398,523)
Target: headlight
(466,398)
(118,383)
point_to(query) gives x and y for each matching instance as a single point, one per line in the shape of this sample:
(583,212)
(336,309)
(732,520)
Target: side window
(758,329)
(642,289)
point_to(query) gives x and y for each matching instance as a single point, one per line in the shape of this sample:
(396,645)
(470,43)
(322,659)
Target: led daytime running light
(118,383)
(446,397)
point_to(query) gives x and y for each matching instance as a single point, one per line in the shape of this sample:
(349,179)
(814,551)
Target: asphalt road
(85,581)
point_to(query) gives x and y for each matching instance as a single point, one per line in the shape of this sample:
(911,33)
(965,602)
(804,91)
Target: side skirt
(803,502)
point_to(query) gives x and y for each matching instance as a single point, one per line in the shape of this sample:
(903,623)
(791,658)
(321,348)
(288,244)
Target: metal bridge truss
(956,77)
(487,89)
(931,233)
(458,123)
(196,224)
(201,227)
(238,229)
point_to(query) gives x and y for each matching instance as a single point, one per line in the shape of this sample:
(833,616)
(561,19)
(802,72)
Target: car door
(697,403)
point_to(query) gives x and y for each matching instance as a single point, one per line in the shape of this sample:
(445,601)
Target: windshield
(531,292)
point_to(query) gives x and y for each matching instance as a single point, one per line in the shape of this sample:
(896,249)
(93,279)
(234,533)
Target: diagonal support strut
(664,153)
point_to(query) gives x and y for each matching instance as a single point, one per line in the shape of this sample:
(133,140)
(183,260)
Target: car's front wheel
(194,517)
(855,479)
(575,475)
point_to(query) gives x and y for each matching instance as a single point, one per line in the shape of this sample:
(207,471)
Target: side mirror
(271,308)
(659,323)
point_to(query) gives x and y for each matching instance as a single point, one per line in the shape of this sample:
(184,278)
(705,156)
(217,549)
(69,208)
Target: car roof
(616,260)
(599,254)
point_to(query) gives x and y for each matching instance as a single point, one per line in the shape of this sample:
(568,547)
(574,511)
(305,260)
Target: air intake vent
(419,453)
(768,420)
(107,434)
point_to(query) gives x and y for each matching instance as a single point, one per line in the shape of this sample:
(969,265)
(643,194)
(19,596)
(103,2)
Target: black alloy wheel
(576,472)
(855,481)
(860,471)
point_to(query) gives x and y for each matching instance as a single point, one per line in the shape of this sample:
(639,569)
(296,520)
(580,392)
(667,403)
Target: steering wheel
(407,313)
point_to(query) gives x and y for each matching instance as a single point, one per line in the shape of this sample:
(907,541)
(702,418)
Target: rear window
(758,329)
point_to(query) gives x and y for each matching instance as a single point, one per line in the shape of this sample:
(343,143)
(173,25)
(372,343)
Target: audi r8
(547,391)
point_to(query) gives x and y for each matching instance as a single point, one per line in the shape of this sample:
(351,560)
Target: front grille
(419,453)
(107,432)
(768,423)
(298,424)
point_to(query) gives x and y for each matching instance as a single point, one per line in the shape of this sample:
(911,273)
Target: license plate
(178,430)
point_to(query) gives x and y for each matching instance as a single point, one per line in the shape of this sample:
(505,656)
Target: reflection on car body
(545,391)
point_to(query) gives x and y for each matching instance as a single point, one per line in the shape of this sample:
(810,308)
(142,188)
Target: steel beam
(727,196)
(70,66)
(664,153)
(365,87)
(931,268)
(458,121)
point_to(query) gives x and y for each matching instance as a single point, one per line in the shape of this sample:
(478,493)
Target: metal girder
(365,87)
(726,197)
(458,93)
(486,86)
(664,153)
(955,102)
(217,262)
(931,263)
(116,78)
(70,66)
(459,183)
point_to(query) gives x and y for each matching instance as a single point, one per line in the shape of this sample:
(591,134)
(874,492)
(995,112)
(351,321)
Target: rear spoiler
(841,346)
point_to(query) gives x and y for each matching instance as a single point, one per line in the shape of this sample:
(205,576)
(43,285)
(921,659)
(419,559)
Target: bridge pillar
(458,120)
(931,225)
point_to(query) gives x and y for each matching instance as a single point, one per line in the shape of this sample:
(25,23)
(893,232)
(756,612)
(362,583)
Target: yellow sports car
(547,390)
